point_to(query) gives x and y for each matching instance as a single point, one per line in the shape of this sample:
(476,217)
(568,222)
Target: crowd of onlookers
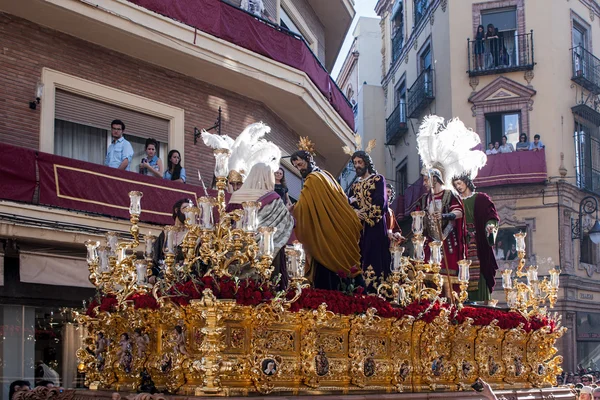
(522,145)
(120,154)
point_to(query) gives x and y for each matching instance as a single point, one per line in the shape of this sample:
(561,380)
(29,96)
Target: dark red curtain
(235,26)
(17,173)
(513,168)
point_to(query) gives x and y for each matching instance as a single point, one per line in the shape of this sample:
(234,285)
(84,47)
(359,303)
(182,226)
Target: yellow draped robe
(326,224)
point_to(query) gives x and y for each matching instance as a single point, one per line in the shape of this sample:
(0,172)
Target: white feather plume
(217,141)
(449,148)
(241,151)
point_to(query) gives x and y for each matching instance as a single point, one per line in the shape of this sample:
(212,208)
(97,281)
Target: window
(503,124)
(81,129)
(425,67)
(401,177)
(400,100)
(588,249)
(587,155)
(579,35)
(505,247)
(504,51)
(420,7)
(287,22)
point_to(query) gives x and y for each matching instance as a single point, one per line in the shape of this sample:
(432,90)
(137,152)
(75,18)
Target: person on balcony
(120,151)
(492,39)
(368,197)
(152,164)
(523,144)
(482,227)
(491,150)
(479,48)
(259,186)
(326,225)
(175,172)
(281,186)
(506,147)
(537,144)
(497,147)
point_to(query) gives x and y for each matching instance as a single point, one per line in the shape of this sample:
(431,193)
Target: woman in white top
(506,147)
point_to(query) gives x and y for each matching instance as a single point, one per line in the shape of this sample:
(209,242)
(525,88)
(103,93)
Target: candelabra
(522,296)
(211,241)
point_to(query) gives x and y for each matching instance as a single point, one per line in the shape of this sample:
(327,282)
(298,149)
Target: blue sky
(364,8)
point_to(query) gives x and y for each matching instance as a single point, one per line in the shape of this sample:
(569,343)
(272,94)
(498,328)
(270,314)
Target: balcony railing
(421,94)
(395,125)
(586,69)
(397,42)
(587,154)
(514,168)
(501,55)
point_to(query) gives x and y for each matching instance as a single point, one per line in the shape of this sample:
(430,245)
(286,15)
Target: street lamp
(588,205)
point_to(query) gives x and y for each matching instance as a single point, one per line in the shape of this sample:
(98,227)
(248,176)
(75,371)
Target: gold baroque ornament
(362,193)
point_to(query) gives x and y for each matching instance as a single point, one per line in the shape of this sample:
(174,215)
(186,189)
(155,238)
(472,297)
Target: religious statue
(142,340)
(179,340)
(482,227)
(368,197)
(124,353)
(326,225)
(446,152)
(101,347)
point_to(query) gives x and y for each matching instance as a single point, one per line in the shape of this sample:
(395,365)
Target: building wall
(371,122)
(368,45)
(27,48)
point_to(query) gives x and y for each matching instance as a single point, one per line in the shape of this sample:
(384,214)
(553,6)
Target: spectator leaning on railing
(175,172)
(491,150)
(536,144)
(506,147)
(523,144)
(120,151)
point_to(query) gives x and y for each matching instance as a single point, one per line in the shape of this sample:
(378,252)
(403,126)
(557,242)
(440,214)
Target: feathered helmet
(446,149)
(247,149)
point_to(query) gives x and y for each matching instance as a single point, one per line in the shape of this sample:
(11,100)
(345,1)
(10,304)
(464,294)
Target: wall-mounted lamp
(217,126)
(588,205)
(39,90)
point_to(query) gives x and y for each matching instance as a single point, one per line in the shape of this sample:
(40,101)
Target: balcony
(44,179)
(513,169)
(586,69)
(397,42)
(502,55)
(395,125)
(421,94)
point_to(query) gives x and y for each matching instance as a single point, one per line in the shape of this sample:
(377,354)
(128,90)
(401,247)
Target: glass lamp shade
(402,297)
(191,215)
(397,263)
(205,213)
(250,218)
(507,279)
(463,270)
(520,238)
(135,203)
(222,162)
(149,245)
(301,256)
(170,240)
(266,246)
(435,256)
(295,268)
(103,265)
(92,251)
(112,241)
(121,254)
(417,222)
(532,274)
(419,247)
(554,278)
(511,298)
(141,272)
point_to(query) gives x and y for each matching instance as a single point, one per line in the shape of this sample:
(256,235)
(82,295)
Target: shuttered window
(85,111)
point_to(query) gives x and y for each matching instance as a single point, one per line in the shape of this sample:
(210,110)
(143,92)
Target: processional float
(201,329)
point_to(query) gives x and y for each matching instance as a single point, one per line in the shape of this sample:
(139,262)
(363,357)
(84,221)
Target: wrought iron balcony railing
(587,154)
(395,125)
(421,94)
(397,43)
(500,55)
(586,69)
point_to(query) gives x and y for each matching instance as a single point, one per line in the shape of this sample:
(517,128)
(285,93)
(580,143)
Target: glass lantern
(419,247)
(112,241)
(554,278)
(507,279)
(532,274)
(222,162)
(293,263)
(435,256)
(149,245)
(397,263)
(103,265)
(417,222)
(92,251)
(266,245)
(463,270)
(191,215)
(520,238)
(141,272)
(135,203)
(170,232)
(511,298)
(250,218)
(205,210)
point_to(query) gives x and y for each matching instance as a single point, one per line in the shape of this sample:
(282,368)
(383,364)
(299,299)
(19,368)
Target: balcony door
(579,36)
(503,124)
(400,100)
(425,66)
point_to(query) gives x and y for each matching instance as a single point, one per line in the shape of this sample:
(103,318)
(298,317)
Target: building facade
(360,79)
(70,68)
(531,75)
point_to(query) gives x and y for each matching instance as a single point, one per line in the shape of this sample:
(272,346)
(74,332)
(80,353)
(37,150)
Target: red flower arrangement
(250,293)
